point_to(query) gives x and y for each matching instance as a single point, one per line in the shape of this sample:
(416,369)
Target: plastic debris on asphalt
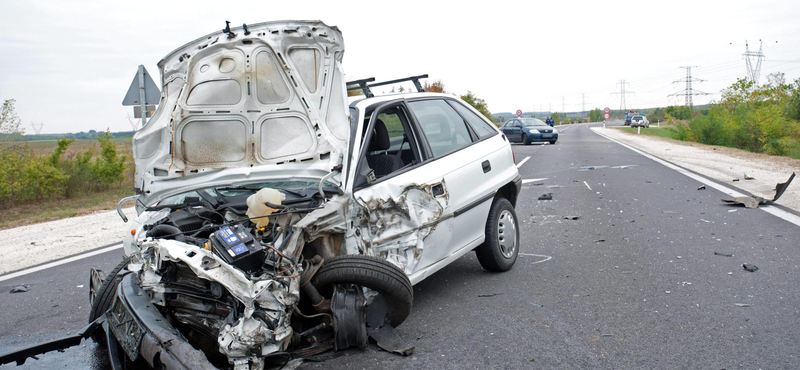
(702,187)
(742,305)
(723,254)
(748,177)
(571,217)
(547,196)
(750,267)
(19,289)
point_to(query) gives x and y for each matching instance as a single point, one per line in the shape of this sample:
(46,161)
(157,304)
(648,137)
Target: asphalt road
(632,283)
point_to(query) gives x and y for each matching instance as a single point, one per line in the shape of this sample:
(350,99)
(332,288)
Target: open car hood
(245,105)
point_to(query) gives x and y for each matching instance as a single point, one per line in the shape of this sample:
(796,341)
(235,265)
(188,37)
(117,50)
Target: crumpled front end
(258,310)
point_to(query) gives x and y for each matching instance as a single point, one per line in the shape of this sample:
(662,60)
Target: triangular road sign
(151,92)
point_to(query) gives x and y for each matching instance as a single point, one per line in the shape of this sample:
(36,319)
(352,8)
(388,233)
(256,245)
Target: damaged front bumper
(140,329)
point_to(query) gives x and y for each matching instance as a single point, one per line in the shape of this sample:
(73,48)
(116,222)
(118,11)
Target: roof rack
(362,84)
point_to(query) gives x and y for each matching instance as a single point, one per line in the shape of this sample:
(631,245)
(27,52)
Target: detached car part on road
(275,220)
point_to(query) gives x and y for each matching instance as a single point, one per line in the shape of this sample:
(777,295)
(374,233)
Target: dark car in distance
(529,130)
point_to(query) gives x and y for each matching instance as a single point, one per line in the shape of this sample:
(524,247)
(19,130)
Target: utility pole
(37,128)
(622,105)
(688,92)
(583,103)
(753,73)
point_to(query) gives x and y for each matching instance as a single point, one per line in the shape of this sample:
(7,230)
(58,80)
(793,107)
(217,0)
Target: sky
(69,64)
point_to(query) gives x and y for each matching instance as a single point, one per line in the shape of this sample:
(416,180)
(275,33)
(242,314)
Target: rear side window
(443,127)
(478,125)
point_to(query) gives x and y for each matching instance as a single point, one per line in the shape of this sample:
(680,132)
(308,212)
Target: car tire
(525,140)
(374,273)
(105,296)
(494,254)
(552,142)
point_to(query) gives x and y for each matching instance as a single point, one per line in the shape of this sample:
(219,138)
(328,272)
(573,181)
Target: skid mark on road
(544,257)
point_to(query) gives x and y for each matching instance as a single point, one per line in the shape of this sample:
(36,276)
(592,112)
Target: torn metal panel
(248,333)
(755,201)
(398,226)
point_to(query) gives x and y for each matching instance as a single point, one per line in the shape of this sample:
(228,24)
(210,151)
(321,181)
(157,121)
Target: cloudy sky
(69,64)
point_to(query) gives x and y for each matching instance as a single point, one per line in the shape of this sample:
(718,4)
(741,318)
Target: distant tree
(478,104)
(679,112)
(556,117)
(354,92)
(595,115)
(436,86)
(9,121)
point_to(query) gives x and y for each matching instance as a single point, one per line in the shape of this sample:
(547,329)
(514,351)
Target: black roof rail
(362,84)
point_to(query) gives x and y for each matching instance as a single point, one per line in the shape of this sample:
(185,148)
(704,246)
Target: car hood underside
(252,99)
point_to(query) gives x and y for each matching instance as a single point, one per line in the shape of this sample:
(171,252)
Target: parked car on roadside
(639,121)
(274,217)
(529,130)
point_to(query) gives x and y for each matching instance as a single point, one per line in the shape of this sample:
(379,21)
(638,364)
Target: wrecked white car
(277,220)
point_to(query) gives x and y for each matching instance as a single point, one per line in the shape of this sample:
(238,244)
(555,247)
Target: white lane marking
(775,211)
(523,162)
(525,181)
(546,257)
(587,185)
(59,262)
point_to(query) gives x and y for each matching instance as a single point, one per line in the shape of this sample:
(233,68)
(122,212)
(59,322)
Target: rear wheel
(500,249)
(525,139)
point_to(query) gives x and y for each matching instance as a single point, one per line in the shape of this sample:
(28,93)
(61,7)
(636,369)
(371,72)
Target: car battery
(238,247)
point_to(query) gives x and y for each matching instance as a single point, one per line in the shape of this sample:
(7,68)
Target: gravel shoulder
(721,164)
(35,244)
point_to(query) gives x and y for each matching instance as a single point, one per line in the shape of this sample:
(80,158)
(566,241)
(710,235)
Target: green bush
(26,177)
(759,119)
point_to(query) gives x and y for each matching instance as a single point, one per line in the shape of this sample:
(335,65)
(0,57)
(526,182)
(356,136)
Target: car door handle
(486,166)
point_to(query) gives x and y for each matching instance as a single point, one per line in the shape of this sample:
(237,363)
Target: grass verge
(663,131)
(62,208)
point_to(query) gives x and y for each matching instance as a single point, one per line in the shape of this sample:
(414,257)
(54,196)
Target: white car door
(400,194)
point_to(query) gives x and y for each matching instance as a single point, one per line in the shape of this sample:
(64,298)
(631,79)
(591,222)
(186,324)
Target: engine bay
(223,276)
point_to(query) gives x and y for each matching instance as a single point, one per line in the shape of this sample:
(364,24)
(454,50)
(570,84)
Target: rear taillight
(514,157)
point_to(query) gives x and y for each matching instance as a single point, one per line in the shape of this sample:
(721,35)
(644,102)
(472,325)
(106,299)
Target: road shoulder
(720,164)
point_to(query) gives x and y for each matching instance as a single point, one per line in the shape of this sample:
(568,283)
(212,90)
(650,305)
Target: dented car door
(399,200)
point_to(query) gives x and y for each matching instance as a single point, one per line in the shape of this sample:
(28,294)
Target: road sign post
(143,92)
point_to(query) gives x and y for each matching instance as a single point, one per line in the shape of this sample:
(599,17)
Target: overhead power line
(689,91)
(753,72)
(622,105)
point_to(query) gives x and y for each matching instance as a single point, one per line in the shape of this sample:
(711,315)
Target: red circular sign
(607,110)
(519,112)
(606,116)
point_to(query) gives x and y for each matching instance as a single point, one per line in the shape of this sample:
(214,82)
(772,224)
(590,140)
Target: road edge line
(777,212)
(63,261)
(523,161)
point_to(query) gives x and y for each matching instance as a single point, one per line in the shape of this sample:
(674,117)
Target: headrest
(439,123)
(380,137)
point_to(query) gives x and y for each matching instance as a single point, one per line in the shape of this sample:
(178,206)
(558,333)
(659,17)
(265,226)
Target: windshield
(528,122)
